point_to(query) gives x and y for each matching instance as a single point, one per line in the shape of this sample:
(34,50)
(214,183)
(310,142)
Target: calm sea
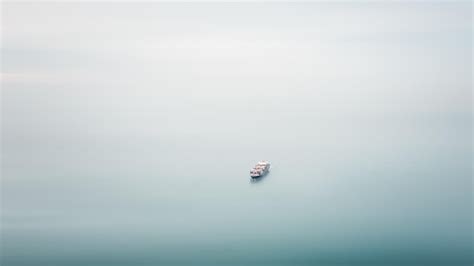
(128,133)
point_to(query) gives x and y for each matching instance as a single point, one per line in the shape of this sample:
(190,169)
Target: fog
(129,129)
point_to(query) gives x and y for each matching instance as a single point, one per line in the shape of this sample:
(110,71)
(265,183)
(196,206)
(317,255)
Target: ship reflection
(257,179)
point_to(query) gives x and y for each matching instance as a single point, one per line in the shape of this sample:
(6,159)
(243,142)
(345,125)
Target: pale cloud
(8,78)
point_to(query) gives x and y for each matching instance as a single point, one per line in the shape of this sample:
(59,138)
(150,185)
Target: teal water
(128,133)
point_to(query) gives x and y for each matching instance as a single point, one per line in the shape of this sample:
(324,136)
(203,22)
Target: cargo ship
(261,169)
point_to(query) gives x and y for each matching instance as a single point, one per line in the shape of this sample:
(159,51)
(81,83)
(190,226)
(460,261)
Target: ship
(261,169)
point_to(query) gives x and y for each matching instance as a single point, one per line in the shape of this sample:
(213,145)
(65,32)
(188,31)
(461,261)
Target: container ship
(261,169)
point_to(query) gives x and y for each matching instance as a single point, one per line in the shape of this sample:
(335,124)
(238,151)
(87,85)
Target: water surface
(129,131)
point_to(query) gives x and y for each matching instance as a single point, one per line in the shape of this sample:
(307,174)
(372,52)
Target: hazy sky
(142,120)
